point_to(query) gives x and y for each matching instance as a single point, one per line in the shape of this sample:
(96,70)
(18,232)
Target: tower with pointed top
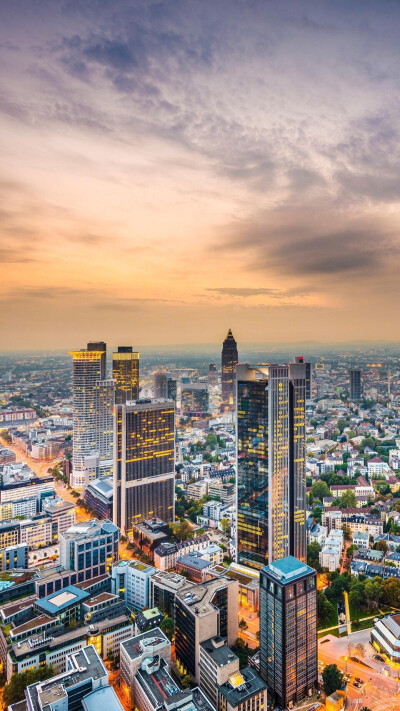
(229,361)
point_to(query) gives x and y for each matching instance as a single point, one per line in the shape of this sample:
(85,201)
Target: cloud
(246,292)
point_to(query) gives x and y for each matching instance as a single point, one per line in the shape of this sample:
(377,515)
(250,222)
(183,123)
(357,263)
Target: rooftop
(145,644)
(288,569)
(136,564)
(88,529)
(242,686)
(104,697)
(219,652)
(103,486)
(62,600)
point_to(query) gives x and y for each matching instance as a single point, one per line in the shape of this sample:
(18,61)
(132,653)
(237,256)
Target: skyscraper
(270,463)
(229,361)
(300,359)
(288,630)
(212,375)
(165,386)
(144,462)
(125,368)
(104,406)
(355,383)
(88,371)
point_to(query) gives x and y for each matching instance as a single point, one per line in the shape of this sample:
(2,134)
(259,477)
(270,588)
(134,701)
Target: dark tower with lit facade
(271,479)
(229,361)
(125,368)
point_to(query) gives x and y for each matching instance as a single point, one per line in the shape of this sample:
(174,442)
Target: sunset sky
(171,169)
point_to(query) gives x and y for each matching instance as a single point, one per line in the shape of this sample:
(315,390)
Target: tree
(381,546)
(332,678)
(356,594)
(325,609)
(348,500)
(320,489)
(225,525)
(360,649)
(185,681)
(183,530)
(167,626)
(313,551)
(243,624)
(373,591)
(15,690)
(391,592)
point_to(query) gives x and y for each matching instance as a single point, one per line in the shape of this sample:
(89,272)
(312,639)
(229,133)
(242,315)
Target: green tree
(243,624)
(373,591)
(320,489)
(183,530)
(15,690)
(332,678)
(356,594)
(391,592)
(225,525)
(185,681)
(381,546)
(167,626)
(348,500)
(325,609)
(313,551)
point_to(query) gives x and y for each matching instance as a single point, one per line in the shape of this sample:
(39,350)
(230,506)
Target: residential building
(125,371)
(194,566)
(229,361)
(148,620)
(288,630)
(166,554)
(144,463)
(89,548)
(271,487)
(197,490)
(331,553)
(361,540)
(201,612)
(130,579)
(20,507)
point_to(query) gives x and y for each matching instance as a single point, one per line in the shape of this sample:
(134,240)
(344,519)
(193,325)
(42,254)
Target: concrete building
(216,664)
(135,650)
(99,496)
(130,579)
(163,588)
(244,690)
(156,690)
(201,612)
(13,557)
(60,512)
(18,482)
(89,548)
(385,637)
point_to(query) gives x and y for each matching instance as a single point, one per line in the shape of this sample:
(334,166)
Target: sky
(169,169)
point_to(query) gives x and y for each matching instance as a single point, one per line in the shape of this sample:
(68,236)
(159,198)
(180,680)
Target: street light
(345,659)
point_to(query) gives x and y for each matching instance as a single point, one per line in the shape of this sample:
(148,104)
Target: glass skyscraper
(229,361)
(355,384)
(144,462)
(270,463)
(125,368)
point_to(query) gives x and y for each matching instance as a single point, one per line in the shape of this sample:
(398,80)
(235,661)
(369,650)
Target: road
(379,693)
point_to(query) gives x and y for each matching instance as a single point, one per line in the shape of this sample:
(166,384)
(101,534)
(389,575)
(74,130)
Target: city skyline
(172,169)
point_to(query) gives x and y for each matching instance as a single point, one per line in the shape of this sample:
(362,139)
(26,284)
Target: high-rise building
(271,484)
(165,386)
(212,375)
(125,370)
(144,462)
(89,370)
(229,361)
(300,359)
(89,548)
(355,383)
(201,612)
(194,399)
(104,405)
(288,630)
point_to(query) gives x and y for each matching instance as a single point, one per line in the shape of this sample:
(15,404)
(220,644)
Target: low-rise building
(99,496)
(243,691)
(163,588)
(385,637)
(148,620)
(361,540)
(130,579)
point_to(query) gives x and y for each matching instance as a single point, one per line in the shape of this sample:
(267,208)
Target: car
(357,678)
(356,684)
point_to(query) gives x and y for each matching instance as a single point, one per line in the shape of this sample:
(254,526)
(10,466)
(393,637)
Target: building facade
(89,548)
(125,371)
(144,463)
(229,361)
(288,630)
(355,383)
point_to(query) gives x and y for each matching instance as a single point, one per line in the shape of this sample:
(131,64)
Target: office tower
(144,462)
(212,375)
(300,359)
(270,463)
(163,588)
(229,361)
(165,386)
(104,410)
(89,368)
(99,496)
(130,579)
(201,612)
(355,383)
(125,370)
(194,399)
(89,548)
(288,630)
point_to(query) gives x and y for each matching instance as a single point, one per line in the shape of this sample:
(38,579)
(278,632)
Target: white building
(131,580)
(361,540)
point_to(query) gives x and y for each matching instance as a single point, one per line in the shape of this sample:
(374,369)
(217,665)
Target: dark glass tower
(355,384)
(144,462)
(300,359)
(165,386)
(125,368)
(271,486)
(288,630)
(229,361)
